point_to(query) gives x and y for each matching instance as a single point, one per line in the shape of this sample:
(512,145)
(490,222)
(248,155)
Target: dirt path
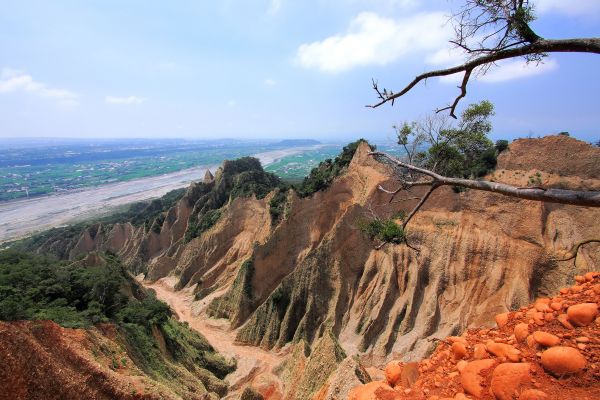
(251,361)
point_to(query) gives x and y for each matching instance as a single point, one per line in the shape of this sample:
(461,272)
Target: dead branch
(541,46)
(550,195)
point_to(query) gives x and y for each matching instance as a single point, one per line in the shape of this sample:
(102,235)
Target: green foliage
(34,287)
(535,179)
(77,295)
(145,211)
(460,151)
(158,223)
(501,145)
(277,206)
(320,178)
(193,350)
(146,312)
(384,230)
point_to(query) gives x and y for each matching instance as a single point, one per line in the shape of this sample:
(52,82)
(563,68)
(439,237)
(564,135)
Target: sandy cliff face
(314,274)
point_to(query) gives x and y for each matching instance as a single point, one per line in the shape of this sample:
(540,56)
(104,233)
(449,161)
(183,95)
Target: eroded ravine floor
(252,362)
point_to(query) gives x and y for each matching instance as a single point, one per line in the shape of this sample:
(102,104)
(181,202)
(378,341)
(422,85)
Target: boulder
(521,332)
(393,372)
(471,378)
(562,360)
(502,320)
(546,339)
(374,391)
(582,314)
(459,350)
(479,351)
(507,378)
(503,350)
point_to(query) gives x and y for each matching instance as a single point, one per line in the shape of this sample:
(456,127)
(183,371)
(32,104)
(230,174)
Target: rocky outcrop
(555,358)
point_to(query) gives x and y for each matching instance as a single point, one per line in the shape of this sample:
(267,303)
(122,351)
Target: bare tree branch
(541,46)
(550,195)
(418,206)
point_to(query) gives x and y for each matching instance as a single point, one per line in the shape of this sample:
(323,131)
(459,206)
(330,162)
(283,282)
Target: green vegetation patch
(321,177)
(78,295)
(384,230)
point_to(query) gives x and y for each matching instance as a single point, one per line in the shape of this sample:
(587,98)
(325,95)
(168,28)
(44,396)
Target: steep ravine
(313,281)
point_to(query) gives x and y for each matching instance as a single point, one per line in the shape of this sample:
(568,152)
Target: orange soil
(446,376)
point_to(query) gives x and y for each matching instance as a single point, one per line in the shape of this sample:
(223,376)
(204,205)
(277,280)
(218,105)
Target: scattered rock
(582,314)
(531,342)
(374,391)
(507,378)
(521,332)
(479,351)
(502,320)
(471,378)
(503,350)
(460,366)
(556,306)
(409,374)
(562,318)
(454,339)
(393,373)
(562,360)
(546,339)
(590,276)
(459,350)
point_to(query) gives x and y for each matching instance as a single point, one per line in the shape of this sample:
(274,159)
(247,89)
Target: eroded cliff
(313,275)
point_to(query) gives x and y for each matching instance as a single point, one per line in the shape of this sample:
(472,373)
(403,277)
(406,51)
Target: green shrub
(501,145)
(277,206)
(77,295)
(321,177)
(384,230)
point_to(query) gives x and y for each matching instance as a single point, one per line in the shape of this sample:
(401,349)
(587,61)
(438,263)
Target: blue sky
(269,68)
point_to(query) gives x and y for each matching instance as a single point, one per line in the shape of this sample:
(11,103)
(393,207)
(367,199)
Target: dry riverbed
(21,218)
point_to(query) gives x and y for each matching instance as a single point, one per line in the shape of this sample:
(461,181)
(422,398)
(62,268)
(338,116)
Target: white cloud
(12,80)
(507,70)
(572,8)
(517,69)
(127,100)
(447,57)
(375,40)
(231,103)
(270,82)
